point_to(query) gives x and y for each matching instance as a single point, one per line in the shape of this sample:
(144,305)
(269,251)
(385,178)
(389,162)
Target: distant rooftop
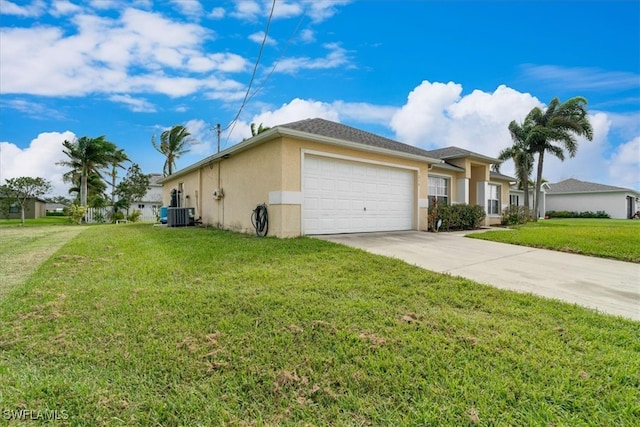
(572,185)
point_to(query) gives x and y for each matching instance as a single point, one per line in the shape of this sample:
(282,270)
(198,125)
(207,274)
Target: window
(14,208)
(514,200)
(438,190)
(493,204)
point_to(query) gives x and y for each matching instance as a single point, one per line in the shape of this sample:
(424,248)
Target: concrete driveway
(605,285)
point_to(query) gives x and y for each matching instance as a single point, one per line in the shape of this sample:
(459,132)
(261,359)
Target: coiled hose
(260,220)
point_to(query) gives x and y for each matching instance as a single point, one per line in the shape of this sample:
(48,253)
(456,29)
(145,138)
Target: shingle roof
(496,175)
(154,178)
(576,186)
(335,130)
(456,152)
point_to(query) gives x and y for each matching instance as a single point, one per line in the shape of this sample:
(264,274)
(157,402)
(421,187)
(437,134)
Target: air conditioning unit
(218,193)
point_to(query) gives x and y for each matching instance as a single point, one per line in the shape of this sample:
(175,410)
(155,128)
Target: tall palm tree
(87,156)
(173,144)
(560,123)
(116,161)
(522,157)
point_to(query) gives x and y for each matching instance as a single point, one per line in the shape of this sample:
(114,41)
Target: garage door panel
(336,193)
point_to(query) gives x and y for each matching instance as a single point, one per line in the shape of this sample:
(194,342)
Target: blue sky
(427,73)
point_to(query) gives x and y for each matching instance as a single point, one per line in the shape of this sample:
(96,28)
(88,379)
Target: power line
(284,51)
(232,125)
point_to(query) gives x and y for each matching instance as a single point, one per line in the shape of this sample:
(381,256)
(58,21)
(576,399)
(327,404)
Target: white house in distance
(151,202)
(580,196)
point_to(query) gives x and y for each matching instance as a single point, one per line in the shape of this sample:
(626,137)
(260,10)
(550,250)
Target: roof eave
(283,131)
(356,145)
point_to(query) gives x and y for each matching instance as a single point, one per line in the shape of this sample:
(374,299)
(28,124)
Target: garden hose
(260,220)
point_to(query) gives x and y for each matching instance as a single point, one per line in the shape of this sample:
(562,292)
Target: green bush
(456,217)
(117,216)
(52,213)
(77,213)
(574,214)
(134,216)
(515,215)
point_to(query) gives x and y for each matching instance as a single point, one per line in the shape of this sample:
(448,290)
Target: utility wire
(284,51)
(232,125)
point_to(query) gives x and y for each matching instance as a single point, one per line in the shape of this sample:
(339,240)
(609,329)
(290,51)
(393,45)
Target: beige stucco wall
(248,177)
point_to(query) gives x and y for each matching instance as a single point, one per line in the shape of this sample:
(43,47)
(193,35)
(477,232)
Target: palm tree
(260,129)
(560,123)
(96,188)
(521,156)
(87,156)
(116,161)
(173,143)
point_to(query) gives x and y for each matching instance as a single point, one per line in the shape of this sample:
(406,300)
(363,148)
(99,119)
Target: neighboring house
(322,177)
(34,208)
(580,196)
(54,207)
(516,197)
(150,204)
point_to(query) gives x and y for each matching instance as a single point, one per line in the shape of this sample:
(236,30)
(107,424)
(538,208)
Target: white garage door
(342,196)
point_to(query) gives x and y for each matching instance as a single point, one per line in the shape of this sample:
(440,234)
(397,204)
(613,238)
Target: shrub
(117,216)
(55,213)
(515,215)
(134,216)
(77,213)
(574,214)
(456,217)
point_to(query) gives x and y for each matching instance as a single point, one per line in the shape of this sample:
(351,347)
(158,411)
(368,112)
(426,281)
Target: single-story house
(516,197)
(34,208)
(150,204)
(581,196)
(322,177)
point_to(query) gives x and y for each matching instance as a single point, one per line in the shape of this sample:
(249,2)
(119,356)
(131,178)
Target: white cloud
(246,9)
(317,10)
(320,10)
(37,160)
(437,115)
(217,13)
(64,7)
(201,136)
(337,57)
(287,9)
(307,35)
(34,9)
(590,163)
(191,8)
(104,54)
(136,105)
(33,109)
(624,168)
(258,37)
(581,78)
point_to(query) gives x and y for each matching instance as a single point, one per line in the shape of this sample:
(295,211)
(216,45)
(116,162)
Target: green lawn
(38,222)
(606,238)
(142,325)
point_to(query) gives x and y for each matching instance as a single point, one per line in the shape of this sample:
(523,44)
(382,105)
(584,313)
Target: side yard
(141,325)
(606,238)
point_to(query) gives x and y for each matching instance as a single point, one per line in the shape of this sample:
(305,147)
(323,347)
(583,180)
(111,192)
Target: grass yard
(21,251)
(141,325)
(606,238)
(37,222)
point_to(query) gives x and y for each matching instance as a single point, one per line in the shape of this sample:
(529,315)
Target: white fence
(103,215)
